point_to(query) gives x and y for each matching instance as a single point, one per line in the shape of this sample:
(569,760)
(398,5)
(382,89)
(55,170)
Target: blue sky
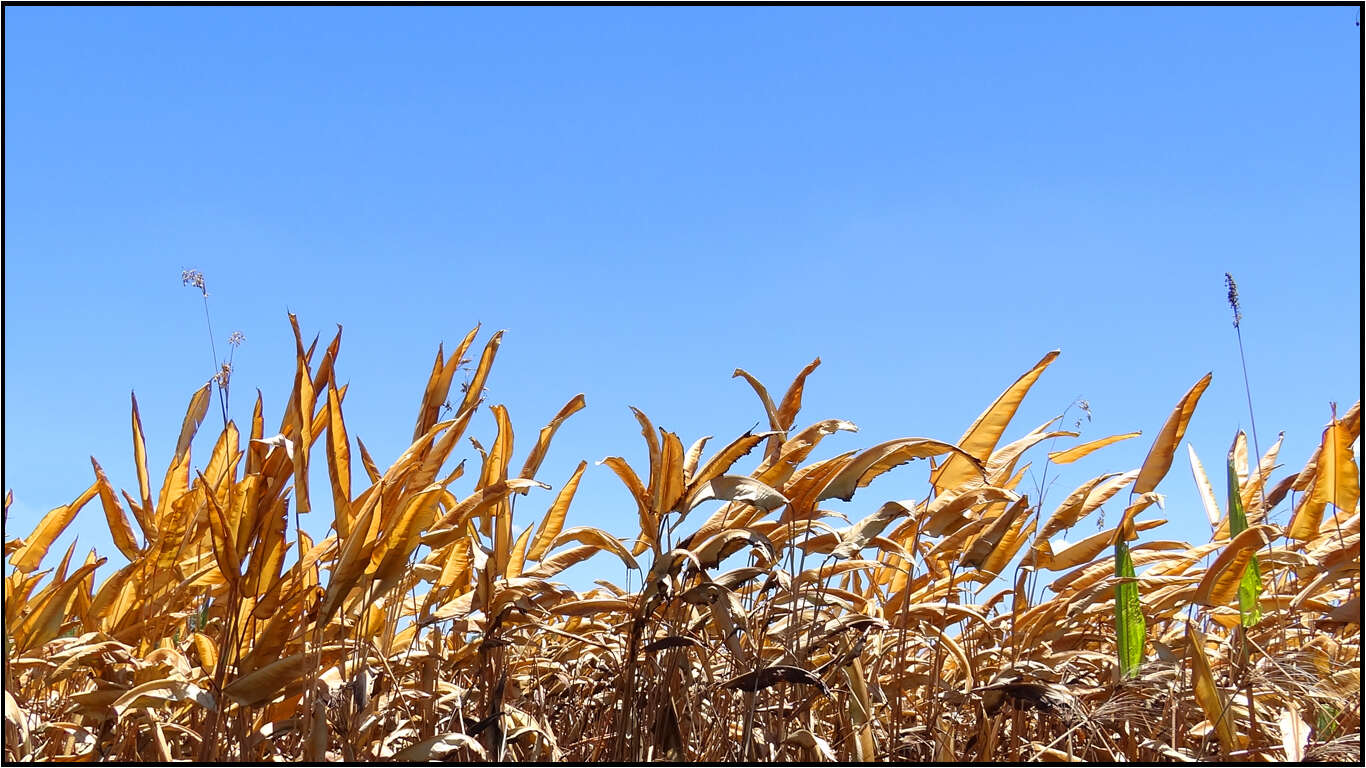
(929,199)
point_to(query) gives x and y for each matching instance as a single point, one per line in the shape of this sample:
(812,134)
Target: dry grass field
(756,625)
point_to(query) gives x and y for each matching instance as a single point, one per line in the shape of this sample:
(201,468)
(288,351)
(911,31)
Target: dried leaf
(1211,700)
(596,537)
(1085,449)
(440,747)
(28,556)
(767,677)
(980,439)
(1159,458)
(533,461)
(735,488)
(553,522)
(1221,580)
(866,464)
(853,540)
(159,692)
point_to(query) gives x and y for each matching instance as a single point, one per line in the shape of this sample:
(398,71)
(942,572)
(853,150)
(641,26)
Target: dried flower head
(1233,298)
(195,278)
(1084,407)
(236,339)
(222,376)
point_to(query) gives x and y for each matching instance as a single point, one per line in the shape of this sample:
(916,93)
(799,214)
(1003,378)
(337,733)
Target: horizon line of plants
(421,628)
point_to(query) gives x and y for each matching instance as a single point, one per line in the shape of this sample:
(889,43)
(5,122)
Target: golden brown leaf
(1085,449)
(648,524)
(538,452)
(474,391)
(883,457)
(339,463)
(553,522)
(792,400)
(668,489)
(47,614)
(1159,458)
(775,421)
(119,528)
(767,677)
(980,439)
(1334,481)
(278,677)
(1084,501)
(145,515)
(1220,583)
(178,473)
(595,537)
(1211,700)
(27,557)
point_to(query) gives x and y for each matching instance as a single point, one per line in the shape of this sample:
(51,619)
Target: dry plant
(752,626)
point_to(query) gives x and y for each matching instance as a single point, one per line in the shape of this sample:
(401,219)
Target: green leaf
(1251,585)
(1130,628)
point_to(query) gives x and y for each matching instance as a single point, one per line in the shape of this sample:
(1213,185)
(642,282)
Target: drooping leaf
(860,467)
(1085,449)
(777,431)
(1334,480)
(119,528)
(760,679)
(439,747)
(1225,575)
(159,692)
(596,537)
(711,552)
(648,524)
(857,537)
(735,488)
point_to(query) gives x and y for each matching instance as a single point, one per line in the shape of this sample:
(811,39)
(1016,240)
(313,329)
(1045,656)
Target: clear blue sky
(929,199)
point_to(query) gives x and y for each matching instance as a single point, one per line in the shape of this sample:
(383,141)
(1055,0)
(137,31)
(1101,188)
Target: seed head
(1233,298)
(236,339)
(195,278)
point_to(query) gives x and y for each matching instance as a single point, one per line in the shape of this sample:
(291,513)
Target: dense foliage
(751,629)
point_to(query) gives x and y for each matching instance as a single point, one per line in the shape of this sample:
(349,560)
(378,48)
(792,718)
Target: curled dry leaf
(1220,583)
(711,552)
(852,541)
(760,679)
(440,747)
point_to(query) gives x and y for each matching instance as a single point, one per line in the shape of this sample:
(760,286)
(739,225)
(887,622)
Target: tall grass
(750,628)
